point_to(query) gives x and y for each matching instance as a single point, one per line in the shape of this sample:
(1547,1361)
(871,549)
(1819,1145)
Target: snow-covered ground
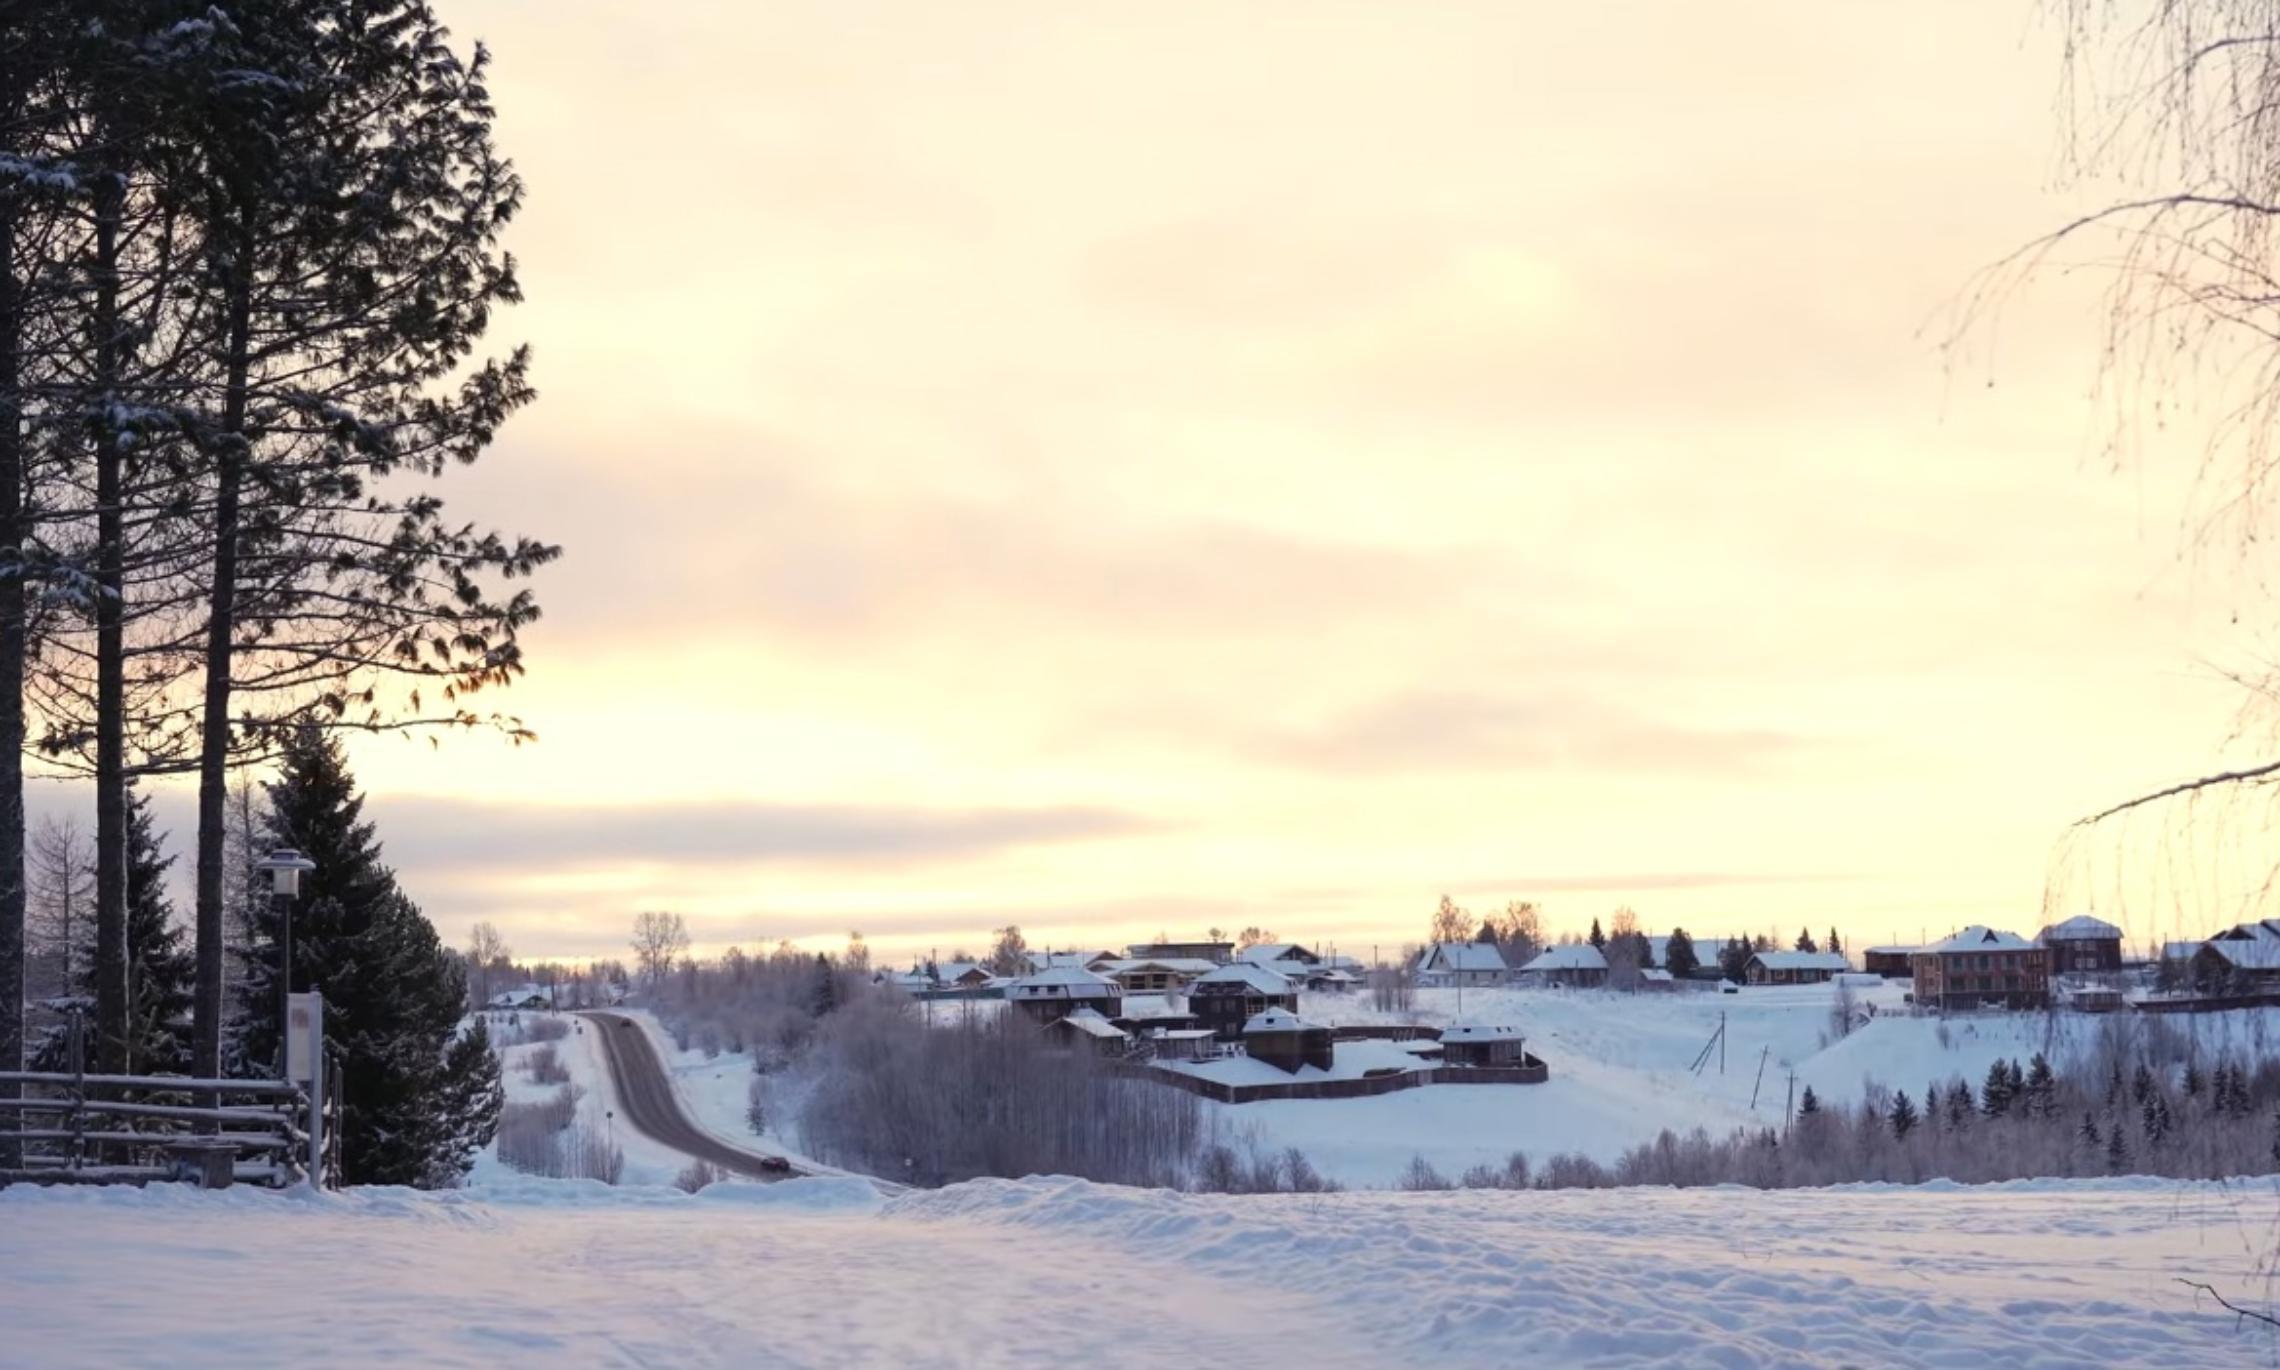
(1059,1272)
(1622,1069)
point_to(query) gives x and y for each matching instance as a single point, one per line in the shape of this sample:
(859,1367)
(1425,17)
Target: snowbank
(825,1273)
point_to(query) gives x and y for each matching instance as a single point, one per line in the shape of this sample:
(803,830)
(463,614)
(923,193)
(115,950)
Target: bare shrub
(933,1106)
(1421,1176)
(698,1174)
(546,1068)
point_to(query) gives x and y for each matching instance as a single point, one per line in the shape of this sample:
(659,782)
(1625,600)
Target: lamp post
(285,867)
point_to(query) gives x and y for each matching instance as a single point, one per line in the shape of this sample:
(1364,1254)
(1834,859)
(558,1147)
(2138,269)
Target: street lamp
(284,866)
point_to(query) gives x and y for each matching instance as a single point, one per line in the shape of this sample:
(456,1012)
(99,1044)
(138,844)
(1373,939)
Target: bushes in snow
(698,1174)
(547,1138)
(933,1106)
(546,1068)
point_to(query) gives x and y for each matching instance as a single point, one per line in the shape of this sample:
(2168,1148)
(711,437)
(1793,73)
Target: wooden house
(1063,990)
(1283,1040)
(1087,1030)
(1217,953)
(1794,967)
(1577,965)
(1981,967)
(1155,974)
(1469,964)
(2243,959)
(1893,961)
(1482,1044)
(1232,995)
(2083,945)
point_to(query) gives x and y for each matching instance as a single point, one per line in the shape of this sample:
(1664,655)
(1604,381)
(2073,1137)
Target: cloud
(431,833)
(1448,730)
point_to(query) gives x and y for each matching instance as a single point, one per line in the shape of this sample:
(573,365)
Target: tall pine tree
(419,1099)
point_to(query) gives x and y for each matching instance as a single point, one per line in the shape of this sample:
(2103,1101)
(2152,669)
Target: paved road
(645,1095)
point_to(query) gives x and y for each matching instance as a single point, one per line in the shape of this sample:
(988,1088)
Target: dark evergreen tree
(1903,1115)
(2114,1085)
(2117,1151)
(1597,938)
(1995,1095)
(419,1099)
(1808,1103)
(1833,945)
(826,986)
(1960,1106)
(1734,958)
(2088,1133)
(2141,1084)
(1679,957)
(2193,1080)
(1805,940)
(2040,1088)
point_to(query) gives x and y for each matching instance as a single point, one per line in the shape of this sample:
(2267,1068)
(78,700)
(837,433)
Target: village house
(2242,959)
(1280,1038)
(2083,944)
(1233,994)
(1980,967)
(1062,990)
(1217,953)
(1445,964)
(1794,967)
(1155,974)
(1578,965)
(1086,1028)
(522,996)
(1893,961)
(1483,1044)
(962,975)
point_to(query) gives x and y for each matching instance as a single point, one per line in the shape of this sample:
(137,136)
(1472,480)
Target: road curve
(645,1095)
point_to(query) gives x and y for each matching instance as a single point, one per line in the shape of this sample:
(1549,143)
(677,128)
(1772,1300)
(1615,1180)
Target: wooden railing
(71,1127)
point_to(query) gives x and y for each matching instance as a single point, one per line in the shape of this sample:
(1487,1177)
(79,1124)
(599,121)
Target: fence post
(76,1050)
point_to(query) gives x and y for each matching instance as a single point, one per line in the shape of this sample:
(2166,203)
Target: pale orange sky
(1120,467)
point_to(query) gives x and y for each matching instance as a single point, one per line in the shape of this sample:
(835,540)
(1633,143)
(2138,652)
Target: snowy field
(1622,1072)
(826,1273)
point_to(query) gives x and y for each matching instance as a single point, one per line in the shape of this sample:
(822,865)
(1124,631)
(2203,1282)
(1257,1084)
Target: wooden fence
(1535,1072)
(71,1127)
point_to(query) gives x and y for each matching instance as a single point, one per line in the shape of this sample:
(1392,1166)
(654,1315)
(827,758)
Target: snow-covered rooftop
(1481,1032)
(1892,949)
(1066,982)
(1979,937)
(1570,956)
(2082,928)
(1244,973)
(1090,1023)
(1275,1020)
(1464,956)
(1802,960)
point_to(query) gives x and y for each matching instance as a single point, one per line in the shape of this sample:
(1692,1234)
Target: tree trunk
(111,1013)
(221,623)
(11,658)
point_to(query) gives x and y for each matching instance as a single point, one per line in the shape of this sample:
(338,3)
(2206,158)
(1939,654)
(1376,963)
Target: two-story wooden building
(1981,967)
(1794,967)
(1056,993)
(1232,995)
(2083,945)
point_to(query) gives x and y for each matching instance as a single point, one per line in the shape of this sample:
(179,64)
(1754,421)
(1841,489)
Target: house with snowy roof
(1982,967)
(1155,974)
(1577,964)
(1280,1038)
(1445,964)
(2243,958)
(529,995)
(2083,944)
(1233,994)
(1478,1042)
(1794,967)
(1085,1028)
(1062,990)
(962,975)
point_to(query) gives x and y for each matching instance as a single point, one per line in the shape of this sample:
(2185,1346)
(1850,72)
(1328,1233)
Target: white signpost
(305,1066)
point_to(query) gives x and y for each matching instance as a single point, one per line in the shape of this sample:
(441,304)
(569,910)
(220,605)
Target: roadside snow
(824,1273)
